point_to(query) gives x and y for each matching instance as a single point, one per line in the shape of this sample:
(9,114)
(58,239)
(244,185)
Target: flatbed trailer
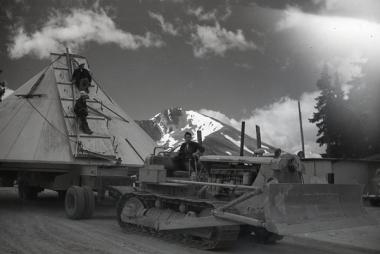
(76,183)
(42,146)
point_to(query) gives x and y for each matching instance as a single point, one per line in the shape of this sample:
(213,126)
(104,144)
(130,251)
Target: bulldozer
(227,196)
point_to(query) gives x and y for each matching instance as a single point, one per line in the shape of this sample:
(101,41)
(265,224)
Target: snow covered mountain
(169,127)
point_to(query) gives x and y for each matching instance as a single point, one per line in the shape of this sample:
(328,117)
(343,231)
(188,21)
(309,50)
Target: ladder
(100,143)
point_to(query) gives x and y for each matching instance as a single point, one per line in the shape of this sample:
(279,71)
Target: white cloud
(334,35)
(345,44)
(201,14)
(167,27)
(74,30)
(212,15)
(217,40)
(367,7)
(348,68)
(280,125)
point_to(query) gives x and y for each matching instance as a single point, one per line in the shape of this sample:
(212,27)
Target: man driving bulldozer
(189,153)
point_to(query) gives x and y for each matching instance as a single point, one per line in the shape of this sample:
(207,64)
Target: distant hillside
(169,127)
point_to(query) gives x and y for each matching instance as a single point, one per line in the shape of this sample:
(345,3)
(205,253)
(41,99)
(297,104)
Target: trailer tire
(75,202)
(89,200)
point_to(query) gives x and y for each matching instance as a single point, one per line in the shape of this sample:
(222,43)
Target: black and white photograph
(189,126)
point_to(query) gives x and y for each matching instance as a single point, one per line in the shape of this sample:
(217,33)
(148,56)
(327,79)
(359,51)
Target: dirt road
(41,227)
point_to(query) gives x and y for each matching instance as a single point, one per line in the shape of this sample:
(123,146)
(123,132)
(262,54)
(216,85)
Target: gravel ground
(41,227)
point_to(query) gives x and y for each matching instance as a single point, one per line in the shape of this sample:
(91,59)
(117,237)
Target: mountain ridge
(168,127)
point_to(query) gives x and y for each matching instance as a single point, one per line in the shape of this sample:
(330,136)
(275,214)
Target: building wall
(350,172)
(345,171)
(316,171)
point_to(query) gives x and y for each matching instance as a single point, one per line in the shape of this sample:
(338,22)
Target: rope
(14,115)
(42,115)
(51,124)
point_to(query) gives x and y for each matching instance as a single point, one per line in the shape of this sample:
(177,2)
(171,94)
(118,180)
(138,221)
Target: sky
(233,60)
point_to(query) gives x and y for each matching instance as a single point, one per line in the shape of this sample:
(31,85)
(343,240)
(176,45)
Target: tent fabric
(37,123)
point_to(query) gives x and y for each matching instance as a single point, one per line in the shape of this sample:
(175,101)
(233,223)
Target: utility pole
(199,137)
(301,128)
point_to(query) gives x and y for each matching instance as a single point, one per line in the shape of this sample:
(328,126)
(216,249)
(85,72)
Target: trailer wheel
(75,202)
(89,200)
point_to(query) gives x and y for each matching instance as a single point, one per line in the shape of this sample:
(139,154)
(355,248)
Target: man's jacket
(81,74)
(187,149)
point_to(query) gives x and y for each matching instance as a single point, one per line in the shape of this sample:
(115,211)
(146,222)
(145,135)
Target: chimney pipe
(258,136)
(242,135)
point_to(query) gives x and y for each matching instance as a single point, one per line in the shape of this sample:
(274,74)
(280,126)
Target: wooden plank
(64,54)
(88,117)
(62,76)
(65,91)
(64,83)
(90,154)
(88,136)
(69,84)
(71,99)
(61,68)
(101,146)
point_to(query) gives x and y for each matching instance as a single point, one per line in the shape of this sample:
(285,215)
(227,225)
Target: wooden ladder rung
(71,99)
(64,83)
(88,117)
(89,136)
(69,84)
(61,68)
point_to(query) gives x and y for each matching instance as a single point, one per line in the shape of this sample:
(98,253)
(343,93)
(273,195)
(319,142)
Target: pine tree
(328,116)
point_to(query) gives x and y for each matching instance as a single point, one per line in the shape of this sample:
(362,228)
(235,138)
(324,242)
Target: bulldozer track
(223,236)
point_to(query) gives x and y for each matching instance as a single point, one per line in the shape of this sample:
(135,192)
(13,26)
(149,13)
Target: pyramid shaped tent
(37,122)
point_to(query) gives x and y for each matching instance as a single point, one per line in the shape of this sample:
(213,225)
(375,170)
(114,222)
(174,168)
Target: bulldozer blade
(303,208)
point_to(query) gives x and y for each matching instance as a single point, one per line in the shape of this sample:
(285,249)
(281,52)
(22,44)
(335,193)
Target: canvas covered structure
(37,122)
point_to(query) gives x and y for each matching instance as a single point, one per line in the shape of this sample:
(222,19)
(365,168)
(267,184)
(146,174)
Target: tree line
(348,122)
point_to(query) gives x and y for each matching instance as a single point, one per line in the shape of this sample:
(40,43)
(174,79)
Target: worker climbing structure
(43,148)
